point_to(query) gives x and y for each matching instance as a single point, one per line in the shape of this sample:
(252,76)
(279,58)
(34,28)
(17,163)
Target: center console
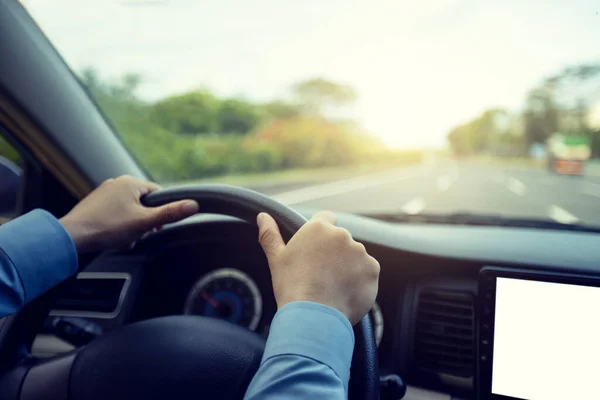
(538,335)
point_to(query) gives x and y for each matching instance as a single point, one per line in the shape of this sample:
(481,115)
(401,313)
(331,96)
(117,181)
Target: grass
(511,161)
(299,175)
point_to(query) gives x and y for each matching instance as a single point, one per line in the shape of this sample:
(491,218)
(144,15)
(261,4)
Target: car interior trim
(96,314)
(48,155)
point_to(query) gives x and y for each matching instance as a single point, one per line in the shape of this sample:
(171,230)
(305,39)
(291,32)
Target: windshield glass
(371,106)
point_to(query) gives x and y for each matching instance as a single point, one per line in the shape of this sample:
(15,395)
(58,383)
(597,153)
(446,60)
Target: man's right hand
(322,264)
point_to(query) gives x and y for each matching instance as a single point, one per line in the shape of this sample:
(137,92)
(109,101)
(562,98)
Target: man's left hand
(113,216)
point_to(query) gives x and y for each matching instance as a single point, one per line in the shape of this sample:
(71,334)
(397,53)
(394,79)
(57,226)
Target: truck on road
(567,153)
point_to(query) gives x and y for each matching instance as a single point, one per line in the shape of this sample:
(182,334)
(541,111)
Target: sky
(419,67)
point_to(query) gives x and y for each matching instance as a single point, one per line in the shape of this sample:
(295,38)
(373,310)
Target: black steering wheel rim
(30,377)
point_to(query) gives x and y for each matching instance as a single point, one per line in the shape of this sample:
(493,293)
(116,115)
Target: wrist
(311,299)
(76,233)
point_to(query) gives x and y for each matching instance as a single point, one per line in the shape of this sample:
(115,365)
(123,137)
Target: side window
(10,180)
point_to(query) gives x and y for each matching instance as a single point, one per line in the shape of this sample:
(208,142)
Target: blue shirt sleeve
(36,253)
(307,356)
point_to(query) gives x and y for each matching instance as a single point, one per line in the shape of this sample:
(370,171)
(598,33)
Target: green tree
(585,90)
(188,113)
(560,103)
(91,79)
(317,94)
(486,133)
(173,137)
(541,115)
(8,151)
(563,103)
(237,116)
(280,109)
(126,88)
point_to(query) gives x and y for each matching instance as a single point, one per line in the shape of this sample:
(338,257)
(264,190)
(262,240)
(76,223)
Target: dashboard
(427,310)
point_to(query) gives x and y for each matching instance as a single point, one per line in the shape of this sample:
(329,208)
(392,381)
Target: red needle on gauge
(210,299)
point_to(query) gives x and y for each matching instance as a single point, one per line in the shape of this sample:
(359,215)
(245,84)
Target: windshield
(378,107)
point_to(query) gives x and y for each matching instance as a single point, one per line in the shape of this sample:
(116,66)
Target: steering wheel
(179,357)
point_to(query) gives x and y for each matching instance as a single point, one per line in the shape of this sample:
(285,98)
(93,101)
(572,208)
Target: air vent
(444,335)
(92,294)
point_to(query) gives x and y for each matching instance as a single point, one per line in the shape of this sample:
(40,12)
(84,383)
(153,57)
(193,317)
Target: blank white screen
(546,340)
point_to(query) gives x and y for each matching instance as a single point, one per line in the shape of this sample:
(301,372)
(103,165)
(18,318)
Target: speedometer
(227,294)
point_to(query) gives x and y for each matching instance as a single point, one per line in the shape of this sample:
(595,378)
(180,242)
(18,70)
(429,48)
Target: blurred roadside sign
(537,150)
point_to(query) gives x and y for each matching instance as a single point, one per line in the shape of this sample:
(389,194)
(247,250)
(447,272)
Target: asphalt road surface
(445,186)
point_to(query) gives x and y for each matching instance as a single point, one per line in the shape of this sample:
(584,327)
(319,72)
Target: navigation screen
(546,340)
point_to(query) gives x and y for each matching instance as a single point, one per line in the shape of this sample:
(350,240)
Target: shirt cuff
(313,330)
(41,251)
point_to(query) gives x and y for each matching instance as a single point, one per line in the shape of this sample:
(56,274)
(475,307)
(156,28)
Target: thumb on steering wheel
(269,236)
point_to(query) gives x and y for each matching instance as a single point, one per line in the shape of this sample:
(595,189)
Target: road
(448,187)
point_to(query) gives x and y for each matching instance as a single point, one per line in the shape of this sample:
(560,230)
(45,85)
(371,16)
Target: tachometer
(228,294)
(377,322)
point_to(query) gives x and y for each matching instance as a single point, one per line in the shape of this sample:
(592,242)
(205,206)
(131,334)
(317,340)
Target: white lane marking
(561,215)
(414,206)
(341,187)
(592,189)
(445,181)
(516,186)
